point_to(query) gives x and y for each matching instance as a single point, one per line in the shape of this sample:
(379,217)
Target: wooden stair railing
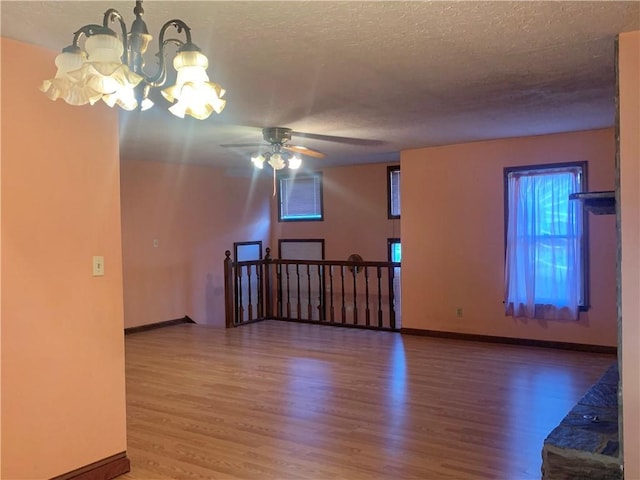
(332,292)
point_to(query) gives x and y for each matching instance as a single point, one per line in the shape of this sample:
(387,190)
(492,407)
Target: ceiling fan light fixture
(111,68)
(258,160)
(295,162)
(281,154)
(276,161)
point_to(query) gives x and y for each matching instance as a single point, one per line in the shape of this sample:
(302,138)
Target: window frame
(237,245)
(390,214)
(282,241)
(585,254)
(289,176)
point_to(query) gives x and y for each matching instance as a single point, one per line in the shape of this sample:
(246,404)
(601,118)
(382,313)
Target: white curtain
(543,272)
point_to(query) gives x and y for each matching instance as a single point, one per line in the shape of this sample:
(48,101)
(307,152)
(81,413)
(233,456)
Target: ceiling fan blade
(240,145)
(303,151)
(332,138)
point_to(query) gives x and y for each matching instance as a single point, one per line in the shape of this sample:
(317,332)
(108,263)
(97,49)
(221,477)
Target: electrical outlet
(459,312)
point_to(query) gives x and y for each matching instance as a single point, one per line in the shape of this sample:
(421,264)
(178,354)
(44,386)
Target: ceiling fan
(278,139)
(282,152)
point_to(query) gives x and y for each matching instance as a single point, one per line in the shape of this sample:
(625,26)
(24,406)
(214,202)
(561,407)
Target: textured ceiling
(398,74)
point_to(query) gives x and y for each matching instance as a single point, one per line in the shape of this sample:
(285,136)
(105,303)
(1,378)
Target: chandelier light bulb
(146,104)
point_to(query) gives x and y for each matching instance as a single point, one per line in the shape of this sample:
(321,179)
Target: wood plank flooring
(276,400)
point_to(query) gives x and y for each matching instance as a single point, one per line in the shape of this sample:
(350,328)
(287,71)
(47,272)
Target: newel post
(228,289)
(267,284)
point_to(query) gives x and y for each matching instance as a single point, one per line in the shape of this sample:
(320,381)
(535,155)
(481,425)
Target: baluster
(392,300)
(344,310)
(309,308)
(250,306)
(279,298)
(379,269)
(260,296)
(266,294)
(332,312)
(354,271)
(240,299)
(288,292)
(298,304)
(366,297)
(228,290)
(322,307)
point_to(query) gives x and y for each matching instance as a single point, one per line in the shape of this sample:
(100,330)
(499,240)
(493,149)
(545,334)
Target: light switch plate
(98,266)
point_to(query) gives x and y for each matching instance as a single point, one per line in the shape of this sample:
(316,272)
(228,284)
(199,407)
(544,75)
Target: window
(395,255)
(545,265)
(247,287)
(300,197)
(244,251)
(393,191)
(395,250)
(301,249)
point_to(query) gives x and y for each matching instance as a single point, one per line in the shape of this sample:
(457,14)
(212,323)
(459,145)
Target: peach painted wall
(1,43)
(629,79)
(196,213)
(0,265)
(453,242)
(63,390)
(355,215)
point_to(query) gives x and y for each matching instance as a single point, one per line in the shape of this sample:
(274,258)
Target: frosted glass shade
(276,161)
(258,160)
(295,162)
(104,72)
(124,97)
(194,93)
(65,87)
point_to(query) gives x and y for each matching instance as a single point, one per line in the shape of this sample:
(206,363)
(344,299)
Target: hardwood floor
(277,400)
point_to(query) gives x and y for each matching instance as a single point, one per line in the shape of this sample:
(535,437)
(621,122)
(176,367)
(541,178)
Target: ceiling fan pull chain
(274,182)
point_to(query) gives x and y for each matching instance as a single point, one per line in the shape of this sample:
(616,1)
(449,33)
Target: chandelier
(111,69)
(276,159)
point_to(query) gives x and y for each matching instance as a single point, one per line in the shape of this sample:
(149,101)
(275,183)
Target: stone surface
(573,466)
(585,444)
(601,395)
(611,376)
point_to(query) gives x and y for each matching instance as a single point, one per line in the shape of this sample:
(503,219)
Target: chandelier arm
(160,77)
(87,31)
(179,25)
(112,15)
